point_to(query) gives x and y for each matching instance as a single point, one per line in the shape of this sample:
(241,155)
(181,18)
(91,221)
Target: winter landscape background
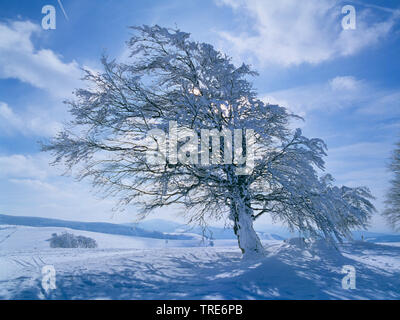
(146,266)
(344,83)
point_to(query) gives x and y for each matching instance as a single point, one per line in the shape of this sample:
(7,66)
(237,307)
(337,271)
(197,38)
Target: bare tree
(170,79)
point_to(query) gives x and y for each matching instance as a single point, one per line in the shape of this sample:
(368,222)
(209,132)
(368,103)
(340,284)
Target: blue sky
(345,83)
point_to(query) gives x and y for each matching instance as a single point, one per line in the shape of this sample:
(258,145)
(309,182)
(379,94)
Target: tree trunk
(248,240)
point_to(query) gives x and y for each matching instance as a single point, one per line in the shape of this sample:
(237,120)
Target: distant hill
(164,229)
(155,228)
(211,232)
(103,227)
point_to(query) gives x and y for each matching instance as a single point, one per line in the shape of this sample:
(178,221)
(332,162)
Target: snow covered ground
(126,267)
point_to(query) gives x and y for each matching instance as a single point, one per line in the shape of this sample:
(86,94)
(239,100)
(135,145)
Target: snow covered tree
(171,83)
(392,210)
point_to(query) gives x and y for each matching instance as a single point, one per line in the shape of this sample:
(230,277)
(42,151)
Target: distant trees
(392,210)
(69,240)
(174,84)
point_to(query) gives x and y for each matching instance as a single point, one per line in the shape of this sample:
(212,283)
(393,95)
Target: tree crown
(169,78)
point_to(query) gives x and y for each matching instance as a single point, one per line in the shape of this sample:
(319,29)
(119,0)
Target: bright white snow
(124,267)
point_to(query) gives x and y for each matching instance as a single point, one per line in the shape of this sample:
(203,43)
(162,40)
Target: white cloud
(42,68)
(380,103)
(33,122)
(338,93)
(8,119)
(345,83)
(35,184)
(304,99)
(291,32)
(363,149)
(22,166)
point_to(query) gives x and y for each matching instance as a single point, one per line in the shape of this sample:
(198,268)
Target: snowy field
(125,267)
